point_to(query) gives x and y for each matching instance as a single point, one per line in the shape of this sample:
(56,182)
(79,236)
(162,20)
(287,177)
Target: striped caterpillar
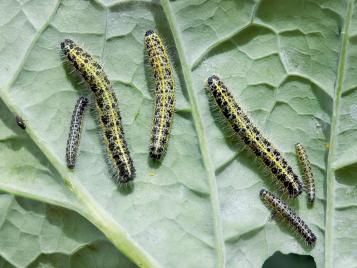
(308,177)
(75,132)
(107,108)
(164,95)
(252,137)
(283,212)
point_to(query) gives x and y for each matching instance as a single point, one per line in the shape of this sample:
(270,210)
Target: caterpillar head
(263,193)
(149,32)
(213,80)
(66,45)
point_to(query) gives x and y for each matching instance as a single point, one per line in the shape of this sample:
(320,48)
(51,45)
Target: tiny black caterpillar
(74,136)
(107,107)
(252,137)
(281,209)
(20,122)
(164,94)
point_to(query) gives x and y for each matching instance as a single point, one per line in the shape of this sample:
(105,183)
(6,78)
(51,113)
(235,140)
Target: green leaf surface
(33,234)
(289,63)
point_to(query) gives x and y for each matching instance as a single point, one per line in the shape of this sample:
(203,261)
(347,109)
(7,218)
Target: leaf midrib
(330,176)
(202,142)
(91,210)
(186,70)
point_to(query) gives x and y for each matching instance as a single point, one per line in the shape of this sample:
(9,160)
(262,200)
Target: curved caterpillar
(281,209)
(107,107)
(74,135)
(309,181)
(252,137)
(164,94)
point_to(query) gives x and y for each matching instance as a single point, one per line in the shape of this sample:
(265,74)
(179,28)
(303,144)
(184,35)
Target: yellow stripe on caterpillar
(164,94)
(251,136)
(107,108)
(309,182)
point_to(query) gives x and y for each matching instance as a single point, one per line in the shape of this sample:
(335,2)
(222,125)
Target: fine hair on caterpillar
(284,213)
(123,187)
(252,137)
(231,139)
(164,95)
(308,177)
(75,130)
(107,110)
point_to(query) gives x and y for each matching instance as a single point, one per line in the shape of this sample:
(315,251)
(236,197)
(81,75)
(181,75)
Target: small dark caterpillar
(284,213)
(164,94)
(252,137)
(107,107)
(20,122)
(309,181)
(74,136)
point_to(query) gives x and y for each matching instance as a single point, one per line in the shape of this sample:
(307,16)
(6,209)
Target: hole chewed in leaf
(291,260)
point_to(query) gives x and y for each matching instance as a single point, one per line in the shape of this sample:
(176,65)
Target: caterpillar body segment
(106,104)
(309,181)
(284,213)
(252,137)
(164,95)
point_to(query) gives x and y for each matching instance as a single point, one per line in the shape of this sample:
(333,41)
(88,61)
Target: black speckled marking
(74,135)
(164,95)
(280,209)
(309,182)
(107,108)
(252,137)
